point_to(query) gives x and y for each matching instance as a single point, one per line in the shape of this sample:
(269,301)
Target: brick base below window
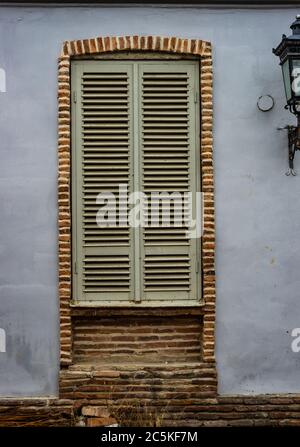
(137,339)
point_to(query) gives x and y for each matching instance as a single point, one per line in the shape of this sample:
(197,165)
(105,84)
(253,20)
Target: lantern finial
(295,26)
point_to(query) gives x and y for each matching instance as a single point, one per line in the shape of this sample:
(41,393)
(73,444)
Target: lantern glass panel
(296,77)
(287,80)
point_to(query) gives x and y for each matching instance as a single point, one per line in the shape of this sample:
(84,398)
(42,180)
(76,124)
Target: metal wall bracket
(293,145)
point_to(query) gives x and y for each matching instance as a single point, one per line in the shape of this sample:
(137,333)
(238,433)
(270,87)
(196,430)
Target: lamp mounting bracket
(293,145)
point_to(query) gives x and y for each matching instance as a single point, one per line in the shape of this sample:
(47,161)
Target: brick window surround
(164,45)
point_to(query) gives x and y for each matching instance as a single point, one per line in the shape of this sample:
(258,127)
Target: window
(135,128)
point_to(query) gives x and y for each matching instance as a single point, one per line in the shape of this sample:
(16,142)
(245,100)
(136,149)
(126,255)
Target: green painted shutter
(169,163)
(134,123)
(102,152)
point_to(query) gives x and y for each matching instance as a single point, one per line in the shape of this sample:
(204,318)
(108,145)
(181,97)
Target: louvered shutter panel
(102,121)
(169,163)
(134,123)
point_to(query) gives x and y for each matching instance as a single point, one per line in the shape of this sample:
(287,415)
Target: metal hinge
(75,268)
(74,96)
(197,267)
(196,97)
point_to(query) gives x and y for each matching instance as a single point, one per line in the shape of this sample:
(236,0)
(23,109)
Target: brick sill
(87,311)
(102,367)
(136,305)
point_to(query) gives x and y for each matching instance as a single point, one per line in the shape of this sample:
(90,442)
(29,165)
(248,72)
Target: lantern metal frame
(289,50)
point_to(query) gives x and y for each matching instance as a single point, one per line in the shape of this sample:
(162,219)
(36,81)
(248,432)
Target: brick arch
(98,45)
(136,43)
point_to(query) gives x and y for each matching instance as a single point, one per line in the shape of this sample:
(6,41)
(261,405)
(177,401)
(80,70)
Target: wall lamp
(289,53)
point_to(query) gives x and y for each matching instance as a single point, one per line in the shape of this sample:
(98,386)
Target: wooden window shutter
(134,123)
(170,163)
(102,132)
